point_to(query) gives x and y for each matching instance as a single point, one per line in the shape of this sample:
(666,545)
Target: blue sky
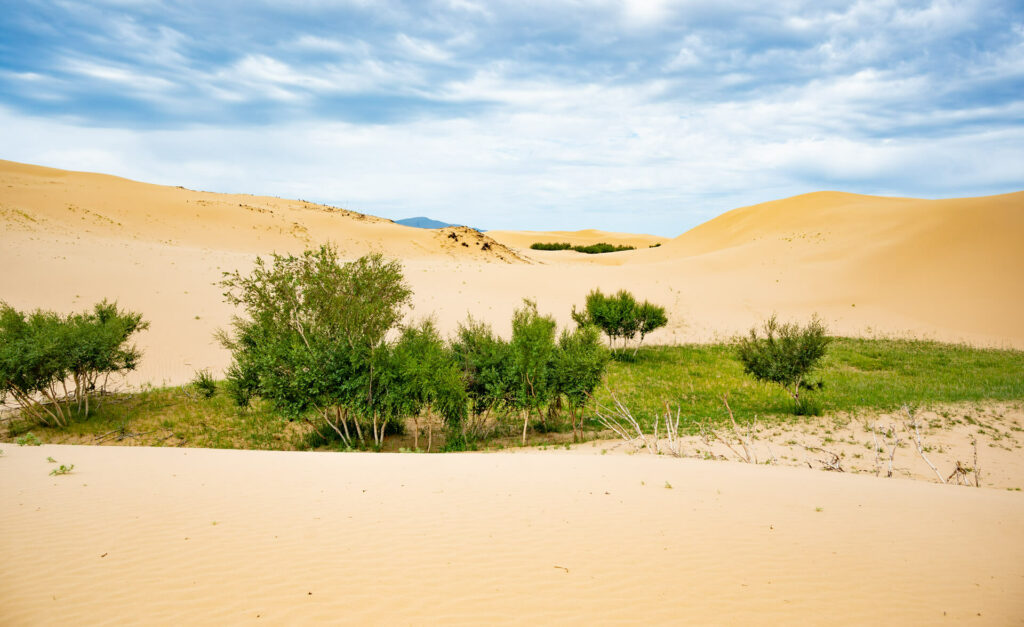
(636,115)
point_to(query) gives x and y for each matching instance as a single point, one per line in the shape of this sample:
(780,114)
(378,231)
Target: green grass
(873,375)
(175,416)
(858,375)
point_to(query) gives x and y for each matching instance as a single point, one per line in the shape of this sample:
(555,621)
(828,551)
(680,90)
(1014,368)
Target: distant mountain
(423,223)
(427,223)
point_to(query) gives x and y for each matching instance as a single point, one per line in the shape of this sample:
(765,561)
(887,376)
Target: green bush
(579,365)
(786,354)
(532,351)
(204,384)
(621,317)
(53,364)
(486,364)
(552,246)
(425,376)
(313,338)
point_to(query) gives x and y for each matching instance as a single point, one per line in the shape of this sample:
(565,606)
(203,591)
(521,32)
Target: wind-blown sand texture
(945,269)
(180,536)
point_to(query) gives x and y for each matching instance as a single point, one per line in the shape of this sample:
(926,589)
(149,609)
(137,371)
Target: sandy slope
(179,536)
(948,269)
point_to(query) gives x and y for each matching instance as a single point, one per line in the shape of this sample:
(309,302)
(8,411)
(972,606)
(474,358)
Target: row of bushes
(320,337)
(593,249)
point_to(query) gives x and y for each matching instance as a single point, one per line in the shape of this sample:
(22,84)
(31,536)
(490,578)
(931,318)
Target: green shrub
(425,377)
(532,349)
(786,354)
(621,317)
(552,246)
(53,364)
(313,338)
(486,365)
(29,439)
(204,384)
(579,365)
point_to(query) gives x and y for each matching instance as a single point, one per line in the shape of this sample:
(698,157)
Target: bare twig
(834,464)
(916,433)
(977,468)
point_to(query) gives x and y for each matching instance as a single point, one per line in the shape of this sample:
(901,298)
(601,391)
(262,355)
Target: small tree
(486,364)
(620,317)
(579,364)
(427,377)
(313,336)
(532,349)
(786,354)
(51,362)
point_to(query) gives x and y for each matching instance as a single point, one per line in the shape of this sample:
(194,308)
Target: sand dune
(945,269)
(47,201)
(180,536)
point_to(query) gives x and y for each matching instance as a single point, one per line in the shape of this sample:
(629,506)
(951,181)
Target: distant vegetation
(593,249)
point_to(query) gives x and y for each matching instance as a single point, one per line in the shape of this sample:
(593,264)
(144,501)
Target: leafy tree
(427,377)
(50,362)
(786,354)
(486,364)
(620,317)
(532,349)
(313,336)
(652,317)
(579,365)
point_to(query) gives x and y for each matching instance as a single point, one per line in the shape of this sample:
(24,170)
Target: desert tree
(426,378)
(52,364)
(485,361)
(785,354)
(532,349)
(579,365)
(313,336)
(620,317)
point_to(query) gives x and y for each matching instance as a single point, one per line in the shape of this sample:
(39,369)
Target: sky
(631,115)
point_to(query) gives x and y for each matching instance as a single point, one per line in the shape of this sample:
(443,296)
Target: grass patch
(175,416)
(858,375)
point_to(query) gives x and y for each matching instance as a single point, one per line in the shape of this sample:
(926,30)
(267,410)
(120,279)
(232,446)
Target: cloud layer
(645,115)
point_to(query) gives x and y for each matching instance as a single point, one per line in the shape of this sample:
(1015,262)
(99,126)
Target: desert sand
(179,536)
(944,269)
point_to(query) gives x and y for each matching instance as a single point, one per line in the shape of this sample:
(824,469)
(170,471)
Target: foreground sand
(944,269)
(177,536)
